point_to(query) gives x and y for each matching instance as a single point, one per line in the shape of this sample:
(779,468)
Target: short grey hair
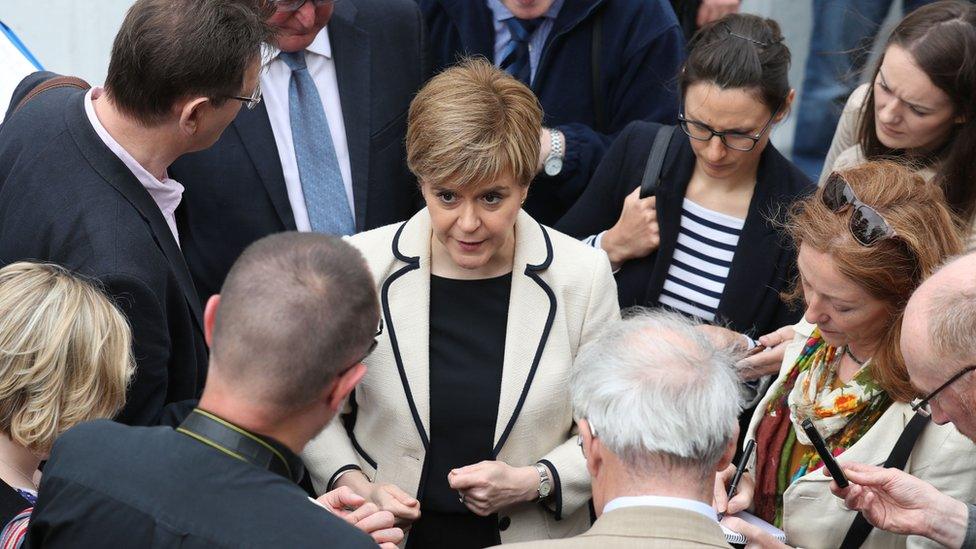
(951,312)
(656,390)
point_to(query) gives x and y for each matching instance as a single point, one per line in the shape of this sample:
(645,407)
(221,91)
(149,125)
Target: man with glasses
(938,341)
(652,445)
(289,332)
(323,151)
(85,179)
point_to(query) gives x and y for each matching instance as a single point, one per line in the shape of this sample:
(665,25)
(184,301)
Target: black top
(764,264)
(468,319)
(12,503)
(109,485)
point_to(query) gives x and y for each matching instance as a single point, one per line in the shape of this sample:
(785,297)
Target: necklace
(847,351)
(30,481)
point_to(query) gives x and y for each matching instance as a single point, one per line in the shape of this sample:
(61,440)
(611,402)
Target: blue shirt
(503,36)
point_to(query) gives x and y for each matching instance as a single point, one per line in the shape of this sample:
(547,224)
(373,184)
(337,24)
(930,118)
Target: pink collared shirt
(166,193)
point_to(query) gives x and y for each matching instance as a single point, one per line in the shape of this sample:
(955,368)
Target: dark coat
(764,264)
(235,191)
(640,51)
(66,198)
(109,485)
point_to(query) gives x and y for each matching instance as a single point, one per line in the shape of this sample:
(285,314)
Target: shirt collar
(662,501)
(320,46)
(502,13)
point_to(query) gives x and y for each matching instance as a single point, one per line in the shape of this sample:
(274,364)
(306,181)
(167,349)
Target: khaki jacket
(642,527)
(813,517)
(562,293)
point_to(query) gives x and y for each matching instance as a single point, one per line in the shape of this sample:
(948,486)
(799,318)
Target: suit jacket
(235,191)
(588,90)
(109,485)
(813,517)
(642,527)
(562,293)
(764,263)
(66,198)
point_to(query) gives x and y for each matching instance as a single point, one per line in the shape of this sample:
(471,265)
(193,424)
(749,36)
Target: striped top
(701,261)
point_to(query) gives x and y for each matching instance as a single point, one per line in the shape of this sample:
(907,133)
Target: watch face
(544,489)
(554,165)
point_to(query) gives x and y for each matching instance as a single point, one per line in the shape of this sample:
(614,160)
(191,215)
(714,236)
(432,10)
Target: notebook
(735,537)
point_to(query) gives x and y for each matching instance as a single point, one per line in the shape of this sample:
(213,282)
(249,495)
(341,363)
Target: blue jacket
(640,52)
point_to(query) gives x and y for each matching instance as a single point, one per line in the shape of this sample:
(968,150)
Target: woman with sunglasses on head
(919,106)
(707,243)
(866,240)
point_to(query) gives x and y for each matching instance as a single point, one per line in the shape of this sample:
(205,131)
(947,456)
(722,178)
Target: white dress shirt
(662,501)
(274,86)
(167,193)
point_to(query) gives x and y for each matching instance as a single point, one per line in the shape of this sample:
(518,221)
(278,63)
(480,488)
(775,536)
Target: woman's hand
(743,494)
(490,486)
(636,233)
(767,362)
(387,497)
(366,516)
(713,10)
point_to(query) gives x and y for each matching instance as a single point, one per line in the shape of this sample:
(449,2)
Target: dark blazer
(765,261)
(637,57)
(66,198)
(235,191)
(109,485)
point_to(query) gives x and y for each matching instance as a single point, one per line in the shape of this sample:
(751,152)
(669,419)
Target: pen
(741,468)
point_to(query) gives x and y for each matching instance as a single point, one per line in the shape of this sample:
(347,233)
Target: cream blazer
(642,528)
(815,518)
(562,293)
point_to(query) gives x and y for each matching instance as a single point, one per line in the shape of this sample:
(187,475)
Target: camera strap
(237,443)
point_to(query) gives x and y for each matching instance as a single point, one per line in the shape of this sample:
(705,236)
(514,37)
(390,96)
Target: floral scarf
(842,415)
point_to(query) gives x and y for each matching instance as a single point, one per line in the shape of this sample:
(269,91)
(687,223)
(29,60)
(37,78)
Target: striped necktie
(318,166)
(515,57)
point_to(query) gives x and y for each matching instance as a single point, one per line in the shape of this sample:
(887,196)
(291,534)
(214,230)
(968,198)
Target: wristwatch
(545,485)
(554,162)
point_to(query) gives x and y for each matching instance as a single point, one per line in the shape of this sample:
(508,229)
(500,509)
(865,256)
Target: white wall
(67,36)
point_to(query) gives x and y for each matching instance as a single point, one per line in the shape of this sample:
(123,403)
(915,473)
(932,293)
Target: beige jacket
(642,527)
(814,518)
(562,293)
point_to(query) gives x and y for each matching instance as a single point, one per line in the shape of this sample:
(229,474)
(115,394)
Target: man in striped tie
(595,66)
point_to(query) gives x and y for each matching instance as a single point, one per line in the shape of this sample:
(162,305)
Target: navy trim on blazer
(532,271)
(413,263)
(335,476)
(557,488)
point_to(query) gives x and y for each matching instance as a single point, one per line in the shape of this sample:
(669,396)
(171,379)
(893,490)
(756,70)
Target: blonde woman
(463,424)
(64,358)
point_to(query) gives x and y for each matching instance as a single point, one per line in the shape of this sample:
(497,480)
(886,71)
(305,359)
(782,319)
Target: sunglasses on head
(867,226)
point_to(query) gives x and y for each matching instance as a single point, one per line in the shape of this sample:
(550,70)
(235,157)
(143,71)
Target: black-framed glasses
(372,347)
(700,131)
(253,100)
(295,5)
(867,225)
(923,406)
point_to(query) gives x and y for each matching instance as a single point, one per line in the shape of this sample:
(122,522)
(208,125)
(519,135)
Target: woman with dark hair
(919,106)
(707,243)
(866,240)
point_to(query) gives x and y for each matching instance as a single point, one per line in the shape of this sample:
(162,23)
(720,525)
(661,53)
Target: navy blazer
(235,191)
(764,264)
(66,198)
(639,53)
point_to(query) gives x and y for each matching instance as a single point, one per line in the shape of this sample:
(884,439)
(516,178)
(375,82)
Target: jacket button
(504,523)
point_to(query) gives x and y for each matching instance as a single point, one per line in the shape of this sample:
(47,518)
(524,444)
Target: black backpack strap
(655,161)
(599,106)
(861,528)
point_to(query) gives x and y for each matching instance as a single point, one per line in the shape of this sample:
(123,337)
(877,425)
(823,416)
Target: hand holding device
(829,462)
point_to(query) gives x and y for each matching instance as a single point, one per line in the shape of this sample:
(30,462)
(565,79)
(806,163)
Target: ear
(784,109)
(343,385)
(525,193)
(594,461)
(210,318)
(191,113)
(729,453)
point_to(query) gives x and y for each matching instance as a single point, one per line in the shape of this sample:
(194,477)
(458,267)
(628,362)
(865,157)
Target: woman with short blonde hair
(65,358)
(463,424)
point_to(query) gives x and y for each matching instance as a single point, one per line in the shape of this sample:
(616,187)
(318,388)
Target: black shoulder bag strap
(861,528)
(599,107)
(655,161)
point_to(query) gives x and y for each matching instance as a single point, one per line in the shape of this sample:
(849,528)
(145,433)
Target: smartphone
(829,462)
